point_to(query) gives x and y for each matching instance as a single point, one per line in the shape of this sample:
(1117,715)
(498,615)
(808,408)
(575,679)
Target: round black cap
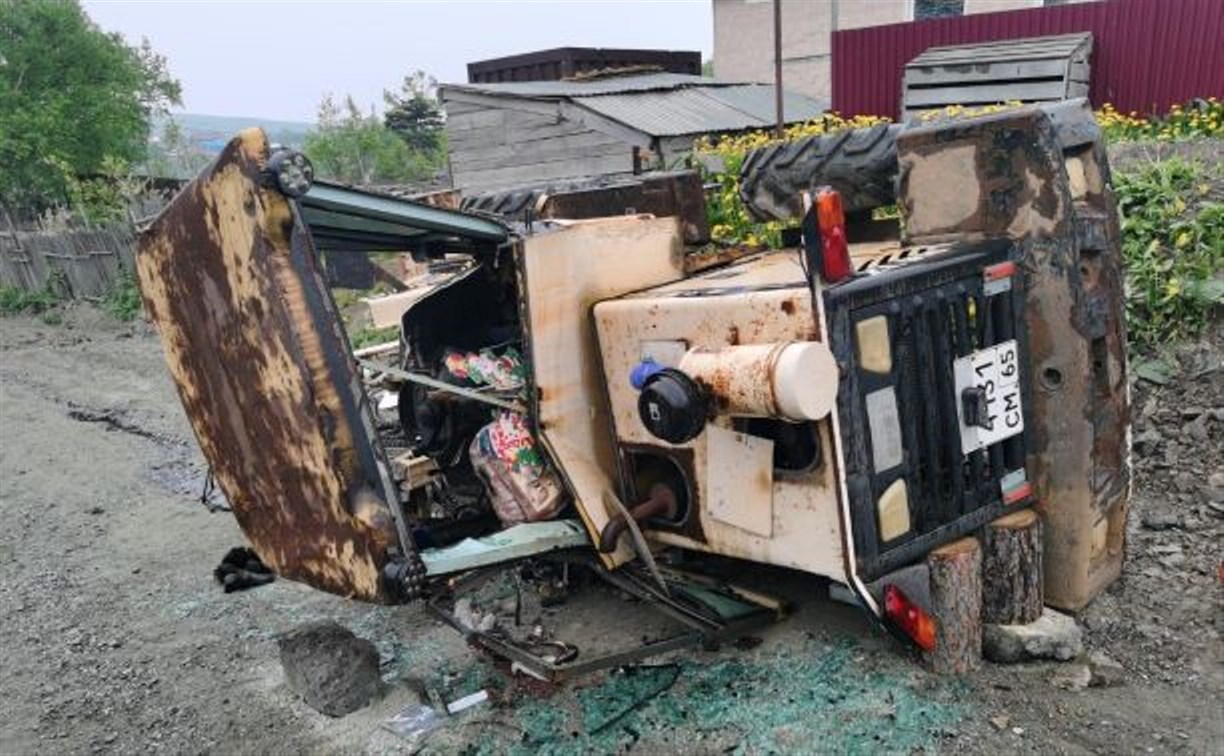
(672,406)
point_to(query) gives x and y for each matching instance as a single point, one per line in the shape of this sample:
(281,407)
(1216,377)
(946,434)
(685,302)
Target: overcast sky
(277,59)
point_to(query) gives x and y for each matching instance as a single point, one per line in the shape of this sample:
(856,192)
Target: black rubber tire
(512,203)
(860,164)
(509,204)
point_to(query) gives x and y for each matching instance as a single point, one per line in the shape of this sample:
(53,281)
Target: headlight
(292,171)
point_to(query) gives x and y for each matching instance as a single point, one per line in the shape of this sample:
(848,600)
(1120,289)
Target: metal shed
(1033,69)
(567,62)
(507,134)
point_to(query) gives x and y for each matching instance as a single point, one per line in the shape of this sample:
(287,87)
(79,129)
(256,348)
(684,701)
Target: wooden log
(1011,569)
(956,606)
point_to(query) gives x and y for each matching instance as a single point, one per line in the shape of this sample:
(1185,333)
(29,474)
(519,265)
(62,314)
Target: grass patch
(364,337)
(15,301)
(1172,249)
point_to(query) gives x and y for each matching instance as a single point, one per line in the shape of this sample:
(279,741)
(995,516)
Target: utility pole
(777,13)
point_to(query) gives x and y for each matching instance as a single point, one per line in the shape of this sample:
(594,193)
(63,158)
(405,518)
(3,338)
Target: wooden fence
(92,261)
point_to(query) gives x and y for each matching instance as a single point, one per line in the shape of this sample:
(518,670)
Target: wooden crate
(1035,69)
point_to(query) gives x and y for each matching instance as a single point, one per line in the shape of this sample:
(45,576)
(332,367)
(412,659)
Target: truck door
(229,276)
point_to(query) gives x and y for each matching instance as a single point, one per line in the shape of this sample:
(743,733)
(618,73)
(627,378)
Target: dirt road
(116,639)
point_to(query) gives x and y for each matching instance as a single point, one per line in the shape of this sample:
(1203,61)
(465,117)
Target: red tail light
(909,617)
(835,257)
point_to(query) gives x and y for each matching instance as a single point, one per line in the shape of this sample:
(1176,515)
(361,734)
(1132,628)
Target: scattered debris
(241,568)
(473,619)
(1000,721)
(467,702)
(334,671)
(416,722)
(1051,636)
(813,692)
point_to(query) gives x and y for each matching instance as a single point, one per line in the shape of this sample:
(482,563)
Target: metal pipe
(662,503)
(434,383)
(777,18)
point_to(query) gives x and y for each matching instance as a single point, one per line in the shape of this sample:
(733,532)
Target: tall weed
(1172,248)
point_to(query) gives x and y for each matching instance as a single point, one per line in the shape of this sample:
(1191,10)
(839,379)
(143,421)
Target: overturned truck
(573,391)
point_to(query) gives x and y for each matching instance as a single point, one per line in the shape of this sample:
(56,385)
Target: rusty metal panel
(761,300)
(1047,188)
(677,194)
(230,278)
(564,273)
(1148,55)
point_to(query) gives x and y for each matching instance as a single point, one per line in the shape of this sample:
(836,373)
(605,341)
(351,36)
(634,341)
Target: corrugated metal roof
(700,110)
(662,104)
(1026,48)
(563,89)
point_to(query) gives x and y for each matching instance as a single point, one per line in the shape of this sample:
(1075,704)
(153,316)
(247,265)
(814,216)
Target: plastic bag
(415,723)
(521,484)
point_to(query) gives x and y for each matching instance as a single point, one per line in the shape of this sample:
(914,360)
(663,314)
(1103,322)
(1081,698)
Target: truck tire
(509,204)
(860,164)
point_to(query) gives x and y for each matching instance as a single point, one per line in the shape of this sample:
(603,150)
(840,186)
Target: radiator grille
(937,311)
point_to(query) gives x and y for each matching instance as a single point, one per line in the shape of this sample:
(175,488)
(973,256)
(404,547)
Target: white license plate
(995,370)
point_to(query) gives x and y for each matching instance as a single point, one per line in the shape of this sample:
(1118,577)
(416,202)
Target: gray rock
(1106,673)
(1215,487)
(1051,636)
(1197,429)
(1073,677)
(334,671)
(1161,521)
(1173,561)
(1147,442)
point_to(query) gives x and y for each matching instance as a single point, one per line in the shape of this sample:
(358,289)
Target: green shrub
(1172,249)
(123,300)
(14,301)
(365,337)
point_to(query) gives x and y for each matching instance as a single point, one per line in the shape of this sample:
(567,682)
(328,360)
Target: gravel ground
(116,638)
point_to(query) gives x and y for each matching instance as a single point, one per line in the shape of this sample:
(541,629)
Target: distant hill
(208,128)
(202,136)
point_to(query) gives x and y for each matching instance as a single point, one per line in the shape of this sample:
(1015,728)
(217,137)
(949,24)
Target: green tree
(415,114)
(171,154)
(73,98)
(354,147)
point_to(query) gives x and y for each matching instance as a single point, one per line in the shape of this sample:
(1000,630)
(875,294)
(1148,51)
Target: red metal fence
(1147,54)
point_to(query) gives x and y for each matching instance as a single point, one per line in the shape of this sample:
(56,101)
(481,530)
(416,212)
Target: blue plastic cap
(642,371)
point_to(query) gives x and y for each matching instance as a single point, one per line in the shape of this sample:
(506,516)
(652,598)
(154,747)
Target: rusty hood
(230,278)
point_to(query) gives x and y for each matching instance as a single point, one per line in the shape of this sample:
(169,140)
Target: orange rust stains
(229,287)
(788,306)
(733,335)
(763,482)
